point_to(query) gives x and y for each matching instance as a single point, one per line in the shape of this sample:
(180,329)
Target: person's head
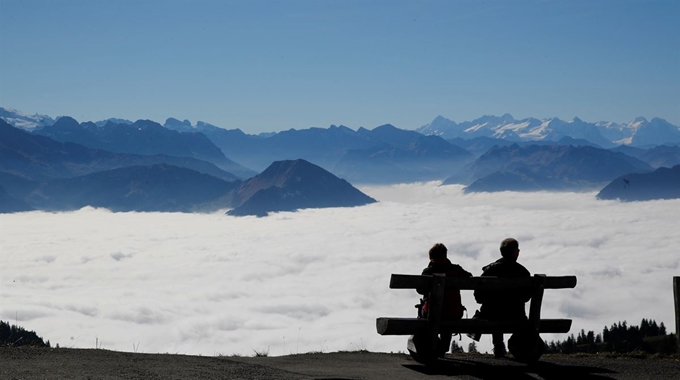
(438,251)
(510,248)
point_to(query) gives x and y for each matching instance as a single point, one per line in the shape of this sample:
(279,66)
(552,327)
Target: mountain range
(159,187)
(545,167)
(38,172)
(41,159)
(143,137)
(640,132)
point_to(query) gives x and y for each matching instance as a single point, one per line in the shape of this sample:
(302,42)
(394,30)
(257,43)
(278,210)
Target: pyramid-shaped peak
(281,170)
(440,119)
(65,123)
(294,184)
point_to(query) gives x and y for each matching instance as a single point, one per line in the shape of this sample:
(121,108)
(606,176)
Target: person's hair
(508,247)
(438,251)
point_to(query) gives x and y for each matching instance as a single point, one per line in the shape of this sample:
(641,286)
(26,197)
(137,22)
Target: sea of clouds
(315,280)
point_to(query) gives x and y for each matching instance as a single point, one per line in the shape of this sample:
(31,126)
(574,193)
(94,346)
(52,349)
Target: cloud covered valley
(316,279)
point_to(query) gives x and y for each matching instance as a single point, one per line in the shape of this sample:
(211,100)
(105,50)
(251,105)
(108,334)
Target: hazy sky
(273,65)
(317,279)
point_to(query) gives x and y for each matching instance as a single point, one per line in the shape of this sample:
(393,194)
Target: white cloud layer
(316,280)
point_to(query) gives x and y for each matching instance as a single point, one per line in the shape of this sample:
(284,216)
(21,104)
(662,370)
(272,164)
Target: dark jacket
(503,304)
(452,308)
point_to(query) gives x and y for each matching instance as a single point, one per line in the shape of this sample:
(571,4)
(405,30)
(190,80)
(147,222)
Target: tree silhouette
(12,335)
(619,337)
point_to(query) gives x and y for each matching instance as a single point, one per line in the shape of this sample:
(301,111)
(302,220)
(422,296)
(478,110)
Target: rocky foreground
(44,363)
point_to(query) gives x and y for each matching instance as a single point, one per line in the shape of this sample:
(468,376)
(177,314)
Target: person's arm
(481,295)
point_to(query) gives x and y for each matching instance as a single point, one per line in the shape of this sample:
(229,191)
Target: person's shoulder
(492,266)
(460,271)
(524,269)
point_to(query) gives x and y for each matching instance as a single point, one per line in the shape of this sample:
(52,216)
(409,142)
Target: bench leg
(526,346)
(423,348)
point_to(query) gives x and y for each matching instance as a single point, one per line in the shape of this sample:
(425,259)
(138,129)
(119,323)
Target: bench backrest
(408,281)
(437,283)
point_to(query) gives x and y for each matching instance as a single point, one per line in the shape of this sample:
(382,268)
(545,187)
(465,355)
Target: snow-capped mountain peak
(19,119)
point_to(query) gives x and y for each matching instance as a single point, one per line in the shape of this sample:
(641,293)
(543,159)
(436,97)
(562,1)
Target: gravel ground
(43,363)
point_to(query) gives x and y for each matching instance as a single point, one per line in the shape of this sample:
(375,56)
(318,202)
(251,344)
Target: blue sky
(274,65)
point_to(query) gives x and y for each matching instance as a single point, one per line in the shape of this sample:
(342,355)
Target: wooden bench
(436,284)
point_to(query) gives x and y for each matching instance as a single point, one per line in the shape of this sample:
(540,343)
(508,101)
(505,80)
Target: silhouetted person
(626,183)
(452,308)
(503,305)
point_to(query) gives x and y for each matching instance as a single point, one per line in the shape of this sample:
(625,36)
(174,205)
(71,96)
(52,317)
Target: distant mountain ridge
(291,185)
(26,158)
(639,132)
(492,153)
(544,167)
(38,172)
(143,137)
(159,187)
(21,120)
(404,156)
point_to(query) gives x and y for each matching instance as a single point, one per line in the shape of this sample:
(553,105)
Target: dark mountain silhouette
(28,160)
(663,183)
(657,156)
(291,185)
(17,185)
(39,158)
(546,167)
(143,137)
(136,188)
(39,172)
(424,158)
(10,204)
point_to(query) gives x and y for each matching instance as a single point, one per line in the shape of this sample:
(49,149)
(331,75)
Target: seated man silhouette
(503,305)
(452,307)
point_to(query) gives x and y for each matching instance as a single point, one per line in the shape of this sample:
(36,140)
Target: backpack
(453,308)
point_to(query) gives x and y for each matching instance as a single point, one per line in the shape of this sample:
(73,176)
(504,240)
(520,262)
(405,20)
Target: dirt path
(32,363)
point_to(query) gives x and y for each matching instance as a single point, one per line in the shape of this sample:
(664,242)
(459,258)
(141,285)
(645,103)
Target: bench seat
(410,326)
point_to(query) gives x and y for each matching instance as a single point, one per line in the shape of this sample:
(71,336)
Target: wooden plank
(409,281)
(536,300)
(400,326)
(406,281)
(435,306)
(676,295)
(410,326)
